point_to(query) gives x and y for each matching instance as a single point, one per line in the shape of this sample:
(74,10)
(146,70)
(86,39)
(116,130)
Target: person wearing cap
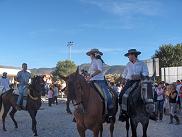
(4,82)
(133,72)
(96,76)
(23,77)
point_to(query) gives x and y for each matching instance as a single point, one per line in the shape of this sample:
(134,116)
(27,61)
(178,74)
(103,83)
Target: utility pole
(70,45)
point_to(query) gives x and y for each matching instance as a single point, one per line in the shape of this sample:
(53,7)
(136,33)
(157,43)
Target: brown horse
(88,105)
(8,100)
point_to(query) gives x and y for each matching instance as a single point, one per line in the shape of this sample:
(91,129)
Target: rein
(33,98)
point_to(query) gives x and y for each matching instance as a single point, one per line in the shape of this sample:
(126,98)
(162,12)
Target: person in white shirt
(97,76)
(160,100)
(4,82)
(133,72)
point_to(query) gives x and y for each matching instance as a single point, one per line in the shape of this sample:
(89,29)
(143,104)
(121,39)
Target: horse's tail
(1,107)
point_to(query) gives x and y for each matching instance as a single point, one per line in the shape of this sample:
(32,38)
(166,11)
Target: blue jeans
(160,105)
(108,97)
(22,92)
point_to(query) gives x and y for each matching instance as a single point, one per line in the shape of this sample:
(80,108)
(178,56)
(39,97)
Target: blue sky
(37,31)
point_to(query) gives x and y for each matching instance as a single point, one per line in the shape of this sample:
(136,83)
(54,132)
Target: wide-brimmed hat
(93,51)
(132,51)
(5,73)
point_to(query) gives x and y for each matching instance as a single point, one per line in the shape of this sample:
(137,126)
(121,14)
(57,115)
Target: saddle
(125,97)
(101,94)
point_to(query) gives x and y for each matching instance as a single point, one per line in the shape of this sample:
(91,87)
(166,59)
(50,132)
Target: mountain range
(115,69)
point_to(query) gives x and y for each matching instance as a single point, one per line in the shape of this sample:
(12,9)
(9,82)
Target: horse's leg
(6,109)
(12,114)
(101,130)
(145,126)
(112,127)
(68,107)
(133,127)
(127,127)
(81,131)
(96,131)
(34,122)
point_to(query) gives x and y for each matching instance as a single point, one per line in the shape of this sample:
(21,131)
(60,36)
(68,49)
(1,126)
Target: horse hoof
(16,126)
(68,111)
(4,130)
(35,135)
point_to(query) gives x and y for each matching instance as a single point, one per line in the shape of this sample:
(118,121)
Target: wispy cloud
(127,12)
(128,7)
(108,25)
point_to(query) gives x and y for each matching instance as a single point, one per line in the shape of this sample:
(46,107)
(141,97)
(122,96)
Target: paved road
(55,122)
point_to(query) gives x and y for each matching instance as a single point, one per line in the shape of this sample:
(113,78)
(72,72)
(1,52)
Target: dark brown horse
(8,100)
(137,112)
(88,105)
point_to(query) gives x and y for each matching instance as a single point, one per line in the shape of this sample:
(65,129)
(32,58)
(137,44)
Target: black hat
(132,51)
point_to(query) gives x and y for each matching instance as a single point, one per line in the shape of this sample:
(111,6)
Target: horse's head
(73,85)
(37,85)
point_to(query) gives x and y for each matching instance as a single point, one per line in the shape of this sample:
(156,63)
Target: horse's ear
(77,71)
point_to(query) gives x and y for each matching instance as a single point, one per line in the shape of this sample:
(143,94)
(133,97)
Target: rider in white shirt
(97,76)
(135,70)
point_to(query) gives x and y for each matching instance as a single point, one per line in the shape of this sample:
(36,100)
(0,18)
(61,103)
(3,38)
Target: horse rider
(134,71)
(97,77)
(4,82)
(23,77)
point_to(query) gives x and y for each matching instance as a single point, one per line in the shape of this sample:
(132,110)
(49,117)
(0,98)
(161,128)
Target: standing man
(23,78)
(4,82)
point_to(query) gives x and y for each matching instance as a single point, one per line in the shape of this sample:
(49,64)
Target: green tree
(64,68)
(169,55)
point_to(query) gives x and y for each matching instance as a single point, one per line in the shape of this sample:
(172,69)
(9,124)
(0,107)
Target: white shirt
(138,68)
(96,64)
(4,83)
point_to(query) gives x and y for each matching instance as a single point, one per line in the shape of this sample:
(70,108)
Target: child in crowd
(50,96)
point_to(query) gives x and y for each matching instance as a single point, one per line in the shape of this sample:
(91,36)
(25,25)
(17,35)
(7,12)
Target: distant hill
(116,69)
(42,71)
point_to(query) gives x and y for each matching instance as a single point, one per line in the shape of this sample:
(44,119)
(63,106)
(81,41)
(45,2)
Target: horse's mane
(135,98)
(72,78)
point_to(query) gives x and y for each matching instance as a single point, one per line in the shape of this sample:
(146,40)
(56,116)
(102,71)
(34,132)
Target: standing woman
(173,103)
(96,76)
